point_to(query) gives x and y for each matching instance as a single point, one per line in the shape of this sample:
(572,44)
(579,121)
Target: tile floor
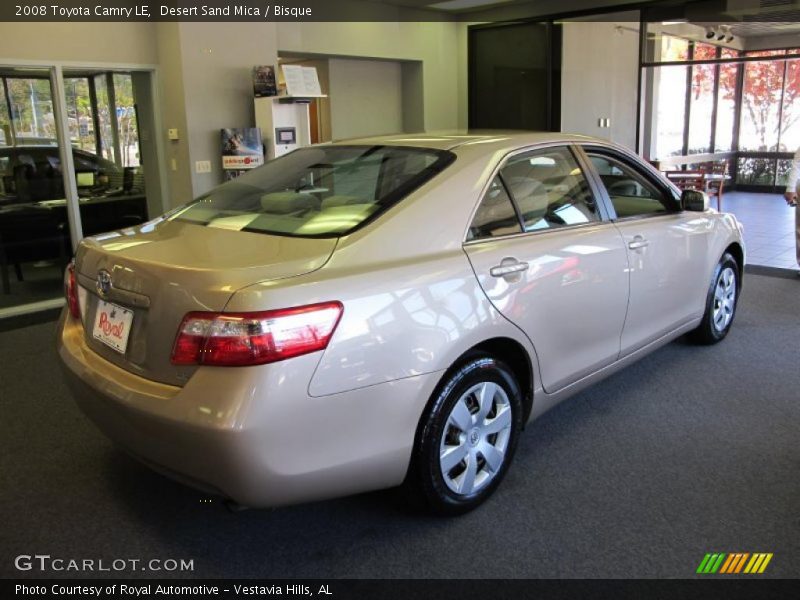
(769,229)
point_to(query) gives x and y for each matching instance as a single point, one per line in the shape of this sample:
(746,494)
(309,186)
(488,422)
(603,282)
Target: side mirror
(694,200)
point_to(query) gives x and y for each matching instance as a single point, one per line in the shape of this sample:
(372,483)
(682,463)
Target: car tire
(466,438)
(721,302)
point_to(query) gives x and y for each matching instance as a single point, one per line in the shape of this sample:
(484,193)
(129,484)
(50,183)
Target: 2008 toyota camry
(387,311)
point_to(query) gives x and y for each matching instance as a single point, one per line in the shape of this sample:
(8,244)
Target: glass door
(105,140)
(35,243)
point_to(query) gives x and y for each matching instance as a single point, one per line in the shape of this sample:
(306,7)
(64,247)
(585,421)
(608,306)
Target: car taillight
(71,291)
(255,338)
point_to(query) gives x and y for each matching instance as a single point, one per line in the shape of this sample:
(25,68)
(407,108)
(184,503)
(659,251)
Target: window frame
(647,171)
(586,170)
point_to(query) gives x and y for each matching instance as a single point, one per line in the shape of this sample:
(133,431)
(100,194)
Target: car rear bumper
(252,434)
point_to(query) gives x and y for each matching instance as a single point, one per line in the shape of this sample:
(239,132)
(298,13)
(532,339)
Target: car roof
(450,140)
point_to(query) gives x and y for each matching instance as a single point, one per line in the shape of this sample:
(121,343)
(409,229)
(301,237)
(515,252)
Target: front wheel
(466,438)
(721,302)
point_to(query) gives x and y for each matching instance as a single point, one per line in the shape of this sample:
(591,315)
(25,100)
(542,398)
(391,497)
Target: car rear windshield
(320,191)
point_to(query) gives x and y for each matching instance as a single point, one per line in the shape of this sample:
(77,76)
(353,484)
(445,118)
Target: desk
(37,231)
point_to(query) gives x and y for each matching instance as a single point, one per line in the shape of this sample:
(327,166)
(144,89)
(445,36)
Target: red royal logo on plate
(110,328)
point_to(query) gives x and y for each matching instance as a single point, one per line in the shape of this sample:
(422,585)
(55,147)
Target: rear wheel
(467,437)
(721,302)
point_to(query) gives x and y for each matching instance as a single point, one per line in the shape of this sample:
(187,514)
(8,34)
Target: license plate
(112,325)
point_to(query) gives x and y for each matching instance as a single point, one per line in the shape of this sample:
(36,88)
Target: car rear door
(667,247)
(551,263)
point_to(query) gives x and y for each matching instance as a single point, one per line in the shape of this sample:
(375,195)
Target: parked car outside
(32,173)
(387,311)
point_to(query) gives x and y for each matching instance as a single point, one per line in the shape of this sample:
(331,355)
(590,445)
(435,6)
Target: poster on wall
(241,150)
(264,83)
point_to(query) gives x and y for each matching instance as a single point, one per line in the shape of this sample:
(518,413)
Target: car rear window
(320,191)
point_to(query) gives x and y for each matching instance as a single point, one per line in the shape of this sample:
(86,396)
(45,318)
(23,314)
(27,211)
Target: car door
(667,247)
(550,263)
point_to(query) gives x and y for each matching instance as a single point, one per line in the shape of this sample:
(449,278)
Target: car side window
(495,215)
(550,189)
(631,193)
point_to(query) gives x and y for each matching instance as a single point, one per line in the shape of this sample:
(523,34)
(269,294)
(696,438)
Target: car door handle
(508,268)
(638,242)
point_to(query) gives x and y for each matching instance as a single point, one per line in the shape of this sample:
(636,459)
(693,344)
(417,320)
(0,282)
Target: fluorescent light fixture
(675,22)
(462,4)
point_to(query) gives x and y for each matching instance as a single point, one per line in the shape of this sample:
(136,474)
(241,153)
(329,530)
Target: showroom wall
(436,44)
(204,73)
(207,82)
(197,57)
(600,66)
(88,43)
(365,97)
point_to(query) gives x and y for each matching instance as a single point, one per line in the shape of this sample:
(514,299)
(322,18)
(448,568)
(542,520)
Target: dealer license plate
(112,325)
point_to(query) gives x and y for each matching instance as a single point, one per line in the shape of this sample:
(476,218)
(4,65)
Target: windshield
(320,191)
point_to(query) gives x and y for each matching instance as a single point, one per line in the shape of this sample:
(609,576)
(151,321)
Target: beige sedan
(387,311)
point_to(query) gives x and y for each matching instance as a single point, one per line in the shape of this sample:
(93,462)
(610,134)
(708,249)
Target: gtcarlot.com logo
(734,563)
(45,562)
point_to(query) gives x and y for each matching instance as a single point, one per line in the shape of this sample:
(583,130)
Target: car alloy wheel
(721,301)
(466,437)
(724,299)
(475,440)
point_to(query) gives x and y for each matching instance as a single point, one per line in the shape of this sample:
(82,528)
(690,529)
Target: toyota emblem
(103,283)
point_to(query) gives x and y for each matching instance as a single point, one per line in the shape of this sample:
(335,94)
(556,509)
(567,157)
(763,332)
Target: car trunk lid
(161,272)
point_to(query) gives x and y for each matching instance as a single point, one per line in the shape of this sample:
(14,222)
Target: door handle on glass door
(508,266)
(638,242)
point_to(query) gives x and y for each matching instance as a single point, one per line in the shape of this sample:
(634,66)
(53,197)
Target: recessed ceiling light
(461,4)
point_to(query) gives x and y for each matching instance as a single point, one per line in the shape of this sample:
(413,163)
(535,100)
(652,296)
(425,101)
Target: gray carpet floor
(692,450)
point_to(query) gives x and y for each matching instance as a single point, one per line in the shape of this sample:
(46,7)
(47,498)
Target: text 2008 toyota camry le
(387,311)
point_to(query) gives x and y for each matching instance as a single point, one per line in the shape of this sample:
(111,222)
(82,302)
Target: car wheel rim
(724,299)
(475,438)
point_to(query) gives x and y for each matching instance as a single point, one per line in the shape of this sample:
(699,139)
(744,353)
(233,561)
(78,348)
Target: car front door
(667,248)
(551,263)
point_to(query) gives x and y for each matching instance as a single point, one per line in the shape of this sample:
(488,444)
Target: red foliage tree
(763,95)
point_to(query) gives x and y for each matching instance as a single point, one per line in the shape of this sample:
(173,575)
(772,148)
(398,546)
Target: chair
(715,180)
(688,180)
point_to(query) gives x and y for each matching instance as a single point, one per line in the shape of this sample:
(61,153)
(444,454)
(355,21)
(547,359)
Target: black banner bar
(354,11)
(730,588)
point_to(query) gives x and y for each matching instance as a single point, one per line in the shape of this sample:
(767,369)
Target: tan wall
(127,43)
(599,78)
(436,44)
(218,86)
(365,97)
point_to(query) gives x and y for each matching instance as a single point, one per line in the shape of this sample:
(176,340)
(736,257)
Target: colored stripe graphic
(727,564)
(764,564)
(734,563)
(738,567)
(703,563)
(717,564)
(731,564)
(711,562)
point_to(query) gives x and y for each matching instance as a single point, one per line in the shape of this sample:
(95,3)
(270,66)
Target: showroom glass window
(31,106)
(726,102)
(670,111)
(701,99)
(5,120)
(769,117)
(79,111)
(549,189)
